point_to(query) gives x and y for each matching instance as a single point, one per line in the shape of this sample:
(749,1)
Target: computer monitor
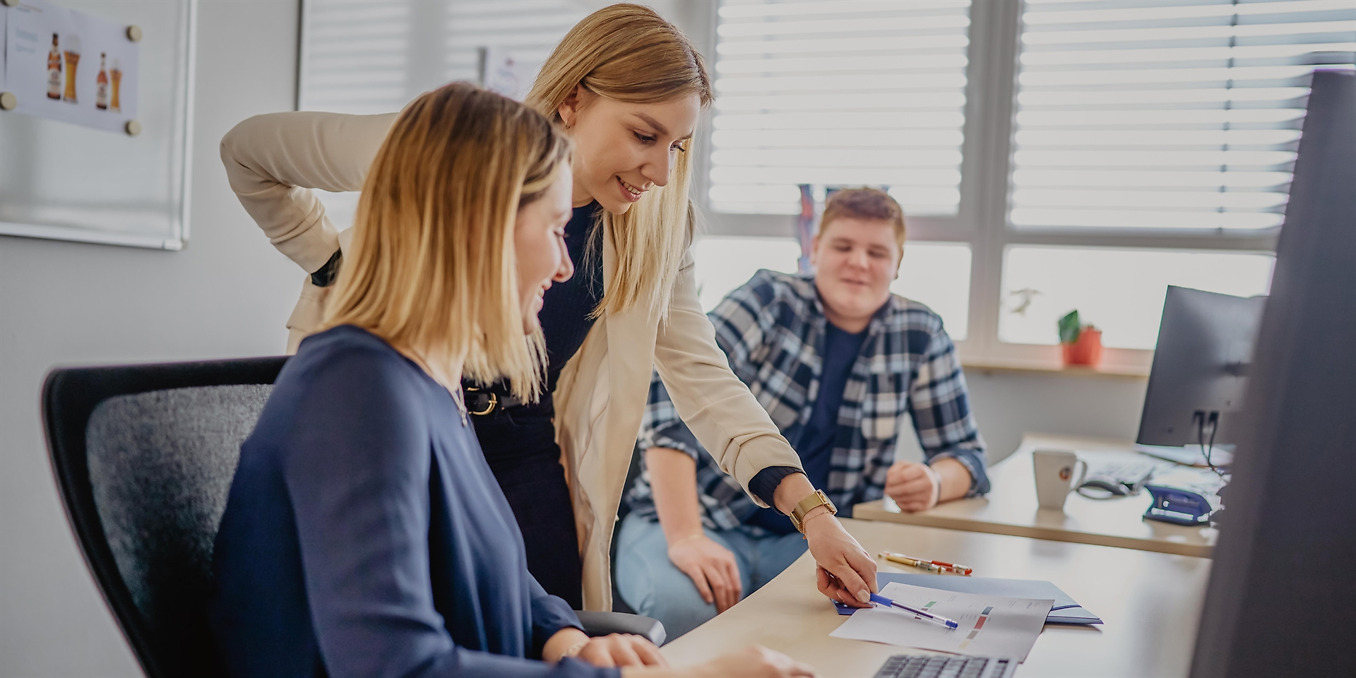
(1281,590)
(1204,353)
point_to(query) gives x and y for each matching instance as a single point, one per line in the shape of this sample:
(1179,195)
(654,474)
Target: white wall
(226,295)
(1009,404)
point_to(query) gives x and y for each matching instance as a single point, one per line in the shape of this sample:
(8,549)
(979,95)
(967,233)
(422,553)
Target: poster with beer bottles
(68,65)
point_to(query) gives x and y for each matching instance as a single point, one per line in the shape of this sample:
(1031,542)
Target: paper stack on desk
(990,626)
(1065,611)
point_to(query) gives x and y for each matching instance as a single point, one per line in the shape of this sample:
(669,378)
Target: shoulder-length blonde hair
(432,267)
(629,53)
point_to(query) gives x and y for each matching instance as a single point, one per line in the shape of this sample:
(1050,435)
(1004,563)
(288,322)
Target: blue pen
(882,600)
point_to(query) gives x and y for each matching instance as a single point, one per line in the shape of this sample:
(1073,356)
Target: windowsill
(992,366)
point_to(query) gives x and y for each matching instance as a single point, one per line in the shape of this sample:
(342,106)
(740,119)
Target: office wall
(227,294)
(1009,404)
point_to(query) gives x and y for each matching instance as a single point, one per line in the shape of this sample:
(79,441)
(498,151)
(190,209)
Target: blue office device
(1176,505)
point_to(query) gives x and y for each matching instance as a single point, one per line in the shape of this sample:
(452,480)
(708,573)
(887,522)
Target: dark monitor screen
(1281,590)
(1203,356)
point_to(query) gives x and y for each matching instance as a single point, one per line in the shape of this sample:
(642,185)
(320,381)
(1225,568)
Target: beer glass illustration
(116,74)
(72,61)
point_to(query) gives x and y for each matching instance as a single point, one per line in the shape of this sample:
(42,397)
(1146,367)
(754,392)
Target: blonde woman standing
(628,88)
(364,534)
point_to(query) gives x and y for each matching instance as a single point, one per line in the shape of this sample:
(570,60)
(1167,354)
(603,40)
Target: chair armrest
(603,623)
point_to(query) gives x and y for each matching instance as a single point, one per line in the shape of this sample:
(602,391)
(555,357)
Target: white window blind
(865,92)
(527,30)
(356,55)
(364,57)
(374,57)
(1166,114)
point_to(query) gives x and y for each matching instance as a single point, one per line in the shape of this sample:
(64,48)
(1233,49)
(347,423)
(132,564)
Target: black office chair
(144,456)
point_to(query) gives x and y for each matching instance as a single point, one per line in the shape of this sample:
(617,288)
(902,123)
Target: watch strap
(809,503)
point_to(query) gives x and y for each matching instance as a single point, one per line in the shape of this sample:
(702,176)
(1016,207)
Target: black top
(510,435)
(364,535)
(567,311)
(566,318)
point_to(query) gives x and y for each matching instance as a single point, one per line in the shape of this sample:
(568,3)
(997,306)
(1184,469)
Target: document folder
(1065,611)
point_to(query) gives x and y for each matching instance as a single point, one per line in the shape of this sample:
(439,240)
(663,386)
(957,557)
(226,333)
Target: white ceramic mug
(1057,473)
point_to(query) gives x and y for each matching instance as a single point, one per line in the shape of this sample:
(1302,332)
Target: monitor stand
(1190,455)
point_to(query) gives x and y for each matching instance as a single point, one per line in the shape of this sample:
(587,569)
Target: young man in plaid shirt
(838,362)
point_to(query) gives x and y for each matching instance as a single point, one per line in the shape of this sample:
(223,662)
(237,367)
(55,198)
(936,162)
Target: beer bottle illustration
(116,74)
(54,71)
(72,53)
(101,96)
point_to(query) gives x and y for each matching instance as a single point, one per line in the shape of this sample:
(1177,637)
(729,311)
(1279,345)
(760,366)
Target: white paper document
(990,626)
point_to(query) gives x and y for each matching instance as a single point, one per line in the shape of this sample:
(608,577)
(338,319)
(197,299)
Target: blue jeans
(654,587)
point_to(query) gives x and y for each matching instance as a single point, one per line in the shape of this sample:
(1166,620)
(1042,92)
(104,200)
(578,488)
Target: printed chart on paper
(989,625)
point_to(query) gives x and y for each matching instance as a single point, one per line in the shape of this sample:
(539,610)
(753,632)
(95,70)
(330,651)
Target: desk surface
(1011,508)
(1150,602)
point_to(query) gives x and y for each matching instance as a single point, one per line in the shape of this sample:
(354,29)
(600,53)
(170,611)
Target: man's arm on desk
(919,487)
(939,403)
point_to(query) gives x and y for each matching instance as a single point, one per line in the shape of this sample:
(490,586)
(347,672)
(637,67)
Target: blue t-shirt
(817,436)
(364,534)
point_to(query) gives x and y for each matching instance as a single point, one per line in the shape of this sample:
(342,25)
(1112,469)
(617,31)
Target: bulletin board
(94,120)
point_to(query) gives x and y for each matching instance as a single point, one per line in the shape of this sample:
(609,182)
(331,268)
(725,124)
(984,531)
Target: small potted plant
(1082,344)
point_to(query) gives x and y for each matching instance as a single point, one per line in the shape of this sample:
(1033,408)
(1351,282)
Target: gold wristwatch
(808,504)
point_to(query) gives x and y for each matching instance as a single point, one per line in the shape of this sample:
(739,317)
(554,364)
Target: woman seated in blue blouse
(364,534)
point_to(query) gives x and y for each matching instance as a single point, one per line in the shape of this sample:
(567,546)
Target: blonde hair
(432,267)
(865,203)
(631,54)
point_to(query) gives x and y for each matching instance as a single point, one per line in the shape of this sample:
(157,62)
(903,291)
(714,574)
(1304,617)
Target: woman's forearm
(561,642)
(791,491)
(271,159)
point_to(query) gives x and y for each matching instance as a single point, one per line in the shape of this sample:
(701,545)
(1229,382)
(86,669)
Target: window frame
(982,216)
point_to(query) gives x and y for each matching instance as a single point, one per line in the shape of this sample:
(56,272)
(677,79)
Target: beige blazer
(272,162)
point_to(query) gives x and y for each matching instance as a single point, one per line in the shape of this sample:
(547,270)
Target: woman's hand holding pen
(846,572)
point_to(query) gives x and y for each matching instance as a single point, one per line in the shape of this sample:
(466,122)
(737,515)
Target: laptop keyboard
(942,666)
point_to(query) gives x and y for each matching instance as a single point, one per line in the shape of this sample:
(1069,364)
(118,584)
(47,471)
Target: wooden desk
(1151,603)
(1011,508)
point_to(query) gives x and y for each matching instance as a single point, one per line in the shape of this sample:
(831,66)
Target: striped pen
(928,565)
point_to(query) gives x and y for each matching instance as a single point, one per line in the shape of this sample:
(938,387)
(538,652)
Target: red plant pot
(1086,350)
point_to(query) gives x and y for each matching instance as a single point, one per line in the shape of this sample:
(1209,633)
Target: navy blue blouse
(364,534)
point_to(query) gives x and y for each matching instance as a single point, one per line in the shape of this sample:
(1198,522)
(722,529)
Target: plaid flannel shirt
(772,329)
